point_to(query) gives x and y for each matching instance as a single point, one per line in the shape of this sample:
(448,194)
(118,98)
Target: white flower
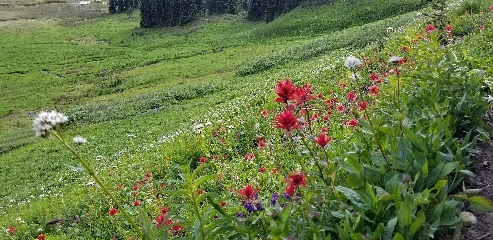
(352,62)
(390,29)
(394,60)
(79,140)
(45,121)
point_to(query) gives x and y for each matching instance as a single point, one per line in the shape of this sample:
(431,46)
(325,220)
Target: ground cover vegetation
(364,141)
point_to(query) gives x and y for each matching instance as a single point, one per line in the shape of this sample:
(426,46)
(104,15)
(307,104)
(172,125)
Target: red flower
(285,91)
(405,49)
(351,97)
(286,120)
(203,160)
(303,94)
(159,220)
(362,105)
(274,171)
(223,203)
(326,118)
(491,7)
(374,78)
(430,28)
(164,210)
(261,142)
(374,90)
(322,140)
(341,108)
(136,203)
(41,237)
(290,190)
(11,230)
(324,130)
(448,28)
(296,179)
(265,113)
(249,193)
(250,156)
(314,117)
(113,212)
(261,169)
(147,177)
(200,191)
(353,123)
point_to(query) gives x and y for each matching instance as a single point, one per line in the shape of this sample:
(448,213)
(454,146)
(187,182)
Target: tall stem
(368,118)
(101,184)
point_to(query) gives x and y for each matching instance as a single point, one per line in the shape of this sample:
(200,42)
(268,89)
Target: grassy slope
(109,63)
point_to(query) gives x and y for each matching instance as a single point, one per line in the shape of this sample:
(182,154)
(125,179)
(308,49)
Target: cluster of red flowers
(162,220)
(248,192)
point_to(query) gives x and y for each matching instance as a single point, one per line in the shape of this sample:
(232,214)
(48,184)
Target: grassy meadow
(138,95)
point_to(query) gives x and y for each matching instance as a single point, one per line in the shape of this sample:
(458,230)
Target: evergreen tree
(256,10)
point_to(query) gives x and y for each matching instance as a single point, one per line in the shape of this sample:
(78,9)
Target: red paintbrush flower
(248,192)
(322,140)
(286,120)
(285,91)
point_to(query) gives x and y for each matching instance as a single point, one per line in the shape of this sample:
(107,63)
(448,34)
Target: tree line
(167,13)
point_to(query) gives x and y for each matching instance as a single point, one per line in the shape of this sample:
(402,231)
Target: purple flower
(240,215)
(275,197)
(249,206)
(259,206)
(286,195)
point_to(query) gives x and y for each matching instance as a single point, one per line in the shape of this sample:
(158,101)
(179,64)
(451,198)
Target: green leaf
(415,139)
(420,221)
(377,234)
(353,196)
(216,206)
(202,179)
(448,168)
(389,229)
(147,227)
(398,236)
(481,204)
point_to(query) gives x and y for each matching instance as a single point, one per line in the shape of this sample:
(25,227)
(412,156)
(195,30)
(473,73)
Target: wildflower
(353,123)
(374,78)
(351,97)
(248,193)
(491,7)
(322,140)
(223,203)
(448,28)
(394,60)
(250,156)
(274,171)
(481,28)
(274,199)
(374,90)
(285,91)
(405,49)
(11,230)
(286,120)
(341,108)
(314,117)
(430,28)
(164,210)
(200,191)
(113,212)
(41,237)
(296,179)
(261,142)
(303,94)
(79,140)
(46,121)
(265,113)
(261,169)
(352,62)
(147,177)
(362,105)
(203,159)
(240,215)
(136,203)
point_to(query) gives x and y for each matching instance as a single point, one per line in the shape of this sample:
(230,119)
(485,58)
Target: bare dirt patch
(483,168)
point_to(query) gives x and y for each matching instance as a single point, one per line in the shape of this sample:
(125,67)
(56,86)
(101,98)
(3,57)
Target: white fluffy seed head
(45,121)
(352,62)
(79,140)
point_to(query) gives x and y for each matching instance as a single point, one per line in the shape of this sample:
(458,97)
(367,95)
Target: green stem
(101,184)
(193,196)
(313,156)
(367,116)
(298,158)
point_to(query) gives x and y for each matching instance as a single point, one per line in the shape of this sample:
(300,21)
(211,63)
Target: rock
(468,218)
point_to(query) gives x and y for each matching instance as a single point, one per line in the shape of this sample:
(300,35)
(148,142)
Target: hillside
(141,97)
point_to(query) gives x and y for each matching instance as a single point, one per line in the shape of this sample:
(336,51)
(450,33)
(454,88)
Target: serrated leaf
(481,204)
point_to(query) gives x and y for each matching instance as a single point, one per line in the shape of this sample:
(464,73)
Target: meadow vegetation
(190,127)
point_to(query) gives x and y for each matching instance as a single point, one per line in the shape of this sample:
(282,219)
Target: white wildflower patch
(46,121)
(394,60)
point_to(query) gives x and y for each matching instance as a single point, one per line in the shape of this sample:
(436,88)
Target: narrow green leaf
(398,236)
(389,229)
(147,226)
(448,168)
(481,204)
(202,179)
(420,221)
